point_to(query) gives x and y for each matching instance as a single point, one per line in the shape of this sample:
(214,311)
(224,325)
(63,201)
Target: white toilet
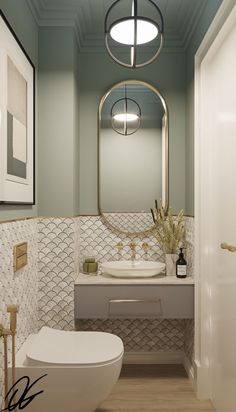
(81,368)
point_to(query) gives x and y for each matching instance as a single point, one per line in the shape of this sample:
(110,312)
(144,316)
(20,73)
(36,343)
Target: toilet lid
(77,348)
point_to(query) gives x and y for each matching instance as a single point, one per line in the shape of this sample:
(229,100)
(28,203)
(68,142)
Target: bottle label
(182,270)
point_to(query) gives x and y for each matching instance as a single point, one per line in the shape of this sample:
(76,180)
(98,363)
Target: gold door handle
(228,247)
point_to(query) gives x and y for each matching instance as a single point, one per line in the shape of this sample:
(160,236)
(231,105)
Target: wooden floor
(143,388)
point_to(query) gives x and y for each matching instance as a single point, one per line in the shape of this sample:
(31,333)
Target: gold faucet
(119,246)
(145,246)
(132,246)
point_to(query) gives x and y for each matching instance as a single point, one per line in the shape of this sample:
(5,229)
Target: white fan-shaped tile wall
(58,266)
(21,287)
(96,237)
(44,288)
(142,335)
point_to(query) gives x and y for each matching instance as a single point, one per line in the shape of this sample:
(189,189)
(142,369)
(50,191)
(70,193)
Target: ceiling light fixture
(125,116)
(134,32)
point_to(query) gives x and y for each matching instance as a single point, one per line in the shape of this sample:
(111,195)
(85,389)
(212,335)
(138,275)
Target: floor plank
(143,388)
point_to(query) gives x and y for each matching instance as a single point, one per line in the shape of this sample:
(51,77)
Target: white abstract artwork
(17,83)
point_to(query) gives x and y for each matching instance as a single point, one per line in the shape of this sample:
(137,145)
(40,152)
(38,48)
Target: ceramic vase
(170,261)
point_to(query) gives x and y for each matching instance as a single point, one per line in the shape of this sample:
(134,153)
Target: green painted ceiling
(87,16)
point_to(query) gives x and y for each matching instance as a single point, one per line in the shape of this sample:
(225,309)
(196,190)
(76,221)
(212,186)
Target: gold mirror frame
(166,158)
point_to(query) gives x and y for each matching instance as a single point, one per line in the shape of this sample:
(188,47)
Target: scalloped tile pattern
(96,238)
(189,340)
(60,242)
(145,335)
(45,287)
(58,267)
(131,222)
(20,287)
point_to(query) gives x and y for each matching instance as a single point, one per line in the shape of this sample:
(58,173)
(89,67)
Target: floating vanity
(105,297)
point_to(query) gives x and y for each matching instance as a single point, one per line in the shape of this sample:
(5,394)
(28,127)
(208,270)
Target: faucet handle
(145,246)
(119,246)
(132,245)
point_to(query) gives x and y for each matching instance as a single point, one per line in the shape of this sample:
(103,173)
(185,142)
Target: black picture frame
(17,136)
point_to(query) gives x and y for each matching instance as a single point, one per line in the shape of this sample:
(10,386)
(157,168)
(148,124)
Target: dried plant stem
(169,229)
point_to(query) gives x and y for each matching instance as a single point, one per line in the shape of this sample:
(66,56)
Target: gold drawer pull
(135,301)
(228,247)
(116,308)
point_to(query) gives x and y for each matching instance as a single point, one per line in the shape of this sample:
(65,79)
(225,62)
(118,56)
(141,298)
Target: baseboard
(190,372)
(202,379)
(168,357)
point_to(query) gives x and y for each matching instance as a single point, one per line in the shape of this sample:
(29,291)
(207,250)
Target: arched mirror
(132,156)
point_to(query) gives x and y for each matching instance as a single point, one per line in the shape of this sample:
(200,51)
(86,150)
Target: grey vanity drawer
(105,301)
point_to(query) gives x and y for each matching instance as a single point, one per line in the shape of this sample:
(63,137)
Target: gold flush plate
(20,256)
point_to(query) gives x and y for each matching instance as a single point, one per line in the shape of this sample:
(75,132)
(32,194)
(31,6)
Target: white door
(217,180)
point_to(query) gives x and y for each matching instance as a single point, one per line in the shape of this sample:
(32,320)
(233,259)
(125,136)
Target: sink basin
(132,269)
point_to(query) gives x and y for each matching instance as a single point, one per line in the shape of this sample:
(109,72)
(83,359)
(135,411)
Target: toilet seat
(53,346)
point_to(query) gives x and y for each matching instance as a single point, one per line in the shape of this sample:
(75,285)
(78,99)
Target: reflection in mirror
(133,166)
(125,113)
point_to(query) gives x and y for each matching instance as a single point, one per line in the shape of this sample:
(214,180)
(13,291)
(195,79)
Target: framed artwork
(17,120)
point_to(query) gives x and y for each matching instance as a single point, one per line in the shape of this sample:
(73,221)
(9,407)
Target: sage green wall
(67,182)
(58,125)
(25,27)
(201,29)
(97,73)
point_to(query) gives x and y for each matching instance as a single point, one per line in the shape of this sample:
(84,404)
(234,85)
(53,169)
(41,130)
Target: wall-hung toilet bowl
(81,368)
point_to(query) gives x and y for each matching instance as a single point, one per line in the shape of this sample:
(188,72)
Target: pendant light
(133,32)
(125,116)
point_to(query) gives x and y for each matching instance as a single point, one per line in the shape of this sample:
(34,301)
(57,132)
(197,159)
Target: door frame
(202,296)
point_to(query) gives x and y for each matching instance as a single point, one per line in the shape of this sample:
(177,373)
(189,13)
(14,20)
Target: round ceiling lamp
(142,27)
(125,116)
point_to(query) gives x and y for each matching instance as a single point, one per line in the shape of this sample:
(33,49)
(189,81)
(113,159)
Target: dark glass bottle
(181,266)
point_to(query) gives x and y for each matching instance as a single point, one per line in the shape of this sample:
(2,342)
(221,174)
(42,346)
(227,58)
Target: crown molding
(54,18)
(34,9)
(68,16)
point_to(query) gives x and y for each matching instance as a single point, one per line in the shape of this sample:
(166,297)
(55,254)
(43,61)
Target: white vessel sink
(132,269)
